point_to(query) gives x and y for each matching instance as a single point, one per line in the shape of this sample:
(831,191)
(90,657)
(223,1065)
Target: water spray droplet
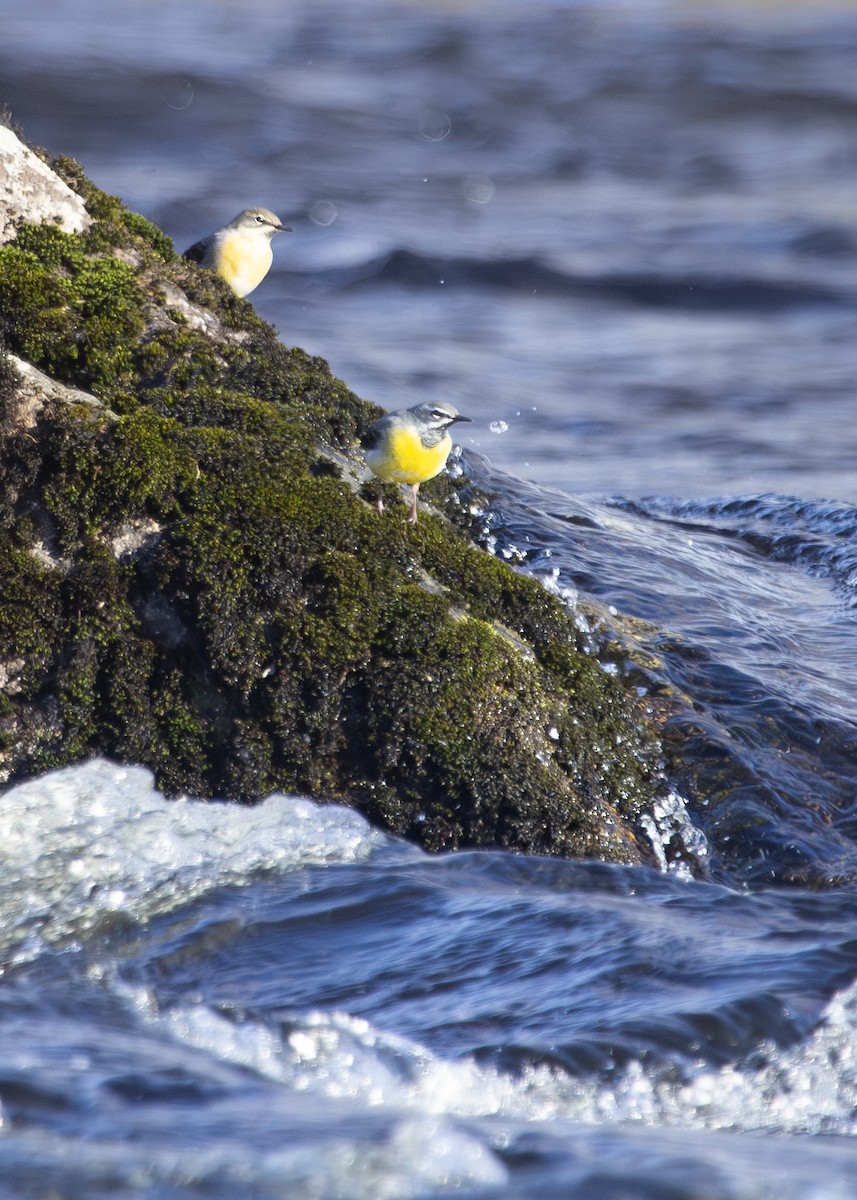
(323,212)
(435,125)
(478,188)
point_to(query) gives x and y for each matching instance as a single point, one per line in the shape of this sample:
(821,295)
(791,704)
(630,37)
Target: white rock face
(36,389)
(30,191)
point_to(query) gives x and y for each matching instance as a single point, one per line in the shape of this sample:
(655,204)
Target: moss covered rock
(191,577)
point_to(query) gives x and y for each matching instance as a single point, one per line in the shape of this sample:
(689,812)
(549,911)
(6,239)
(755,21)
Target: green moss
(464,741)
(77,316)
(10,381)
(104,474)
(31,615)
(273,631)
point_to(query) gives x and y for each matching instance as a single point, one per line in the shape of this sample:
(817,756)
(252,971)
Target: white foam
(336,1056)
(86,840)
(809,1089)
(806,1089)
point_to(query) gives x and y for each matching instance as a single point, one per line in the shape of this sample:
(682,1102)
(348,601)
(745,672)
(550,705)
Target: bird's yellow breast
(404,459)
(243,261)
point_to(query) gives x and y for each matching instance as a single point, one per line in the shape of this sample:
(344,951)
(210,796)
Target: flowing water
(623,238)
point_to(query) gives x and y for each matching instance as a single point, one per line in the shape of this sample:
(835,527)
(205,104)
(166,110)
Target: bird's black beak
(454,420)
(284,229)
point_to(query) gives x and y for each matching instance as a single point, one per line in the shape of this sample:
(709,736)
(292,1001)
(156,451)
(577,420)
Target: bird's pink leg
(415,487)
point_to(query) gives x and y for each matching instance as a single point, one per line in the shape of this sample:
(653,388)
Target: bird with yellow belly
(410,446)
(241,252)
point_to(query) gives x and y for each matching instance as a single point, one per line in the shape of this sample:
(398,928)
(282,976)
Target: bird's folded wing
(196,252)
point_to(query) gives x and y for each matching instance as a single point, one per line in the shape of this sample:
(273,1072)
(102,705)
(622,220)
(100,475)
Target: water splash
(97,839)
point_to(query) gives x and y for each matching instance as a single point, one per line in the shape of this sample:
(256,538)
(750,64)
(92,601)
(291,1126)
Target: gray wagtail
(241,252)
(410,446)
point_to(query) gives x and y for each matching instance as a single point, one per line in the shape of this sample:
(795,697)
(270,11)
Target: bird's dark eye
(261,220)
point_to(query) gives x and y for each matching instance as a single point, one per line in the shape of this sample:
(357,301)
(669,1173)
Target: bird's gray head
(262,219)
(437,416)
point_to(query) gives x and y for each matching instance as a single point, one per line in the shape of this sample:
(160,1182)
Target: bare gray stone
(37,388)
(30,191)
